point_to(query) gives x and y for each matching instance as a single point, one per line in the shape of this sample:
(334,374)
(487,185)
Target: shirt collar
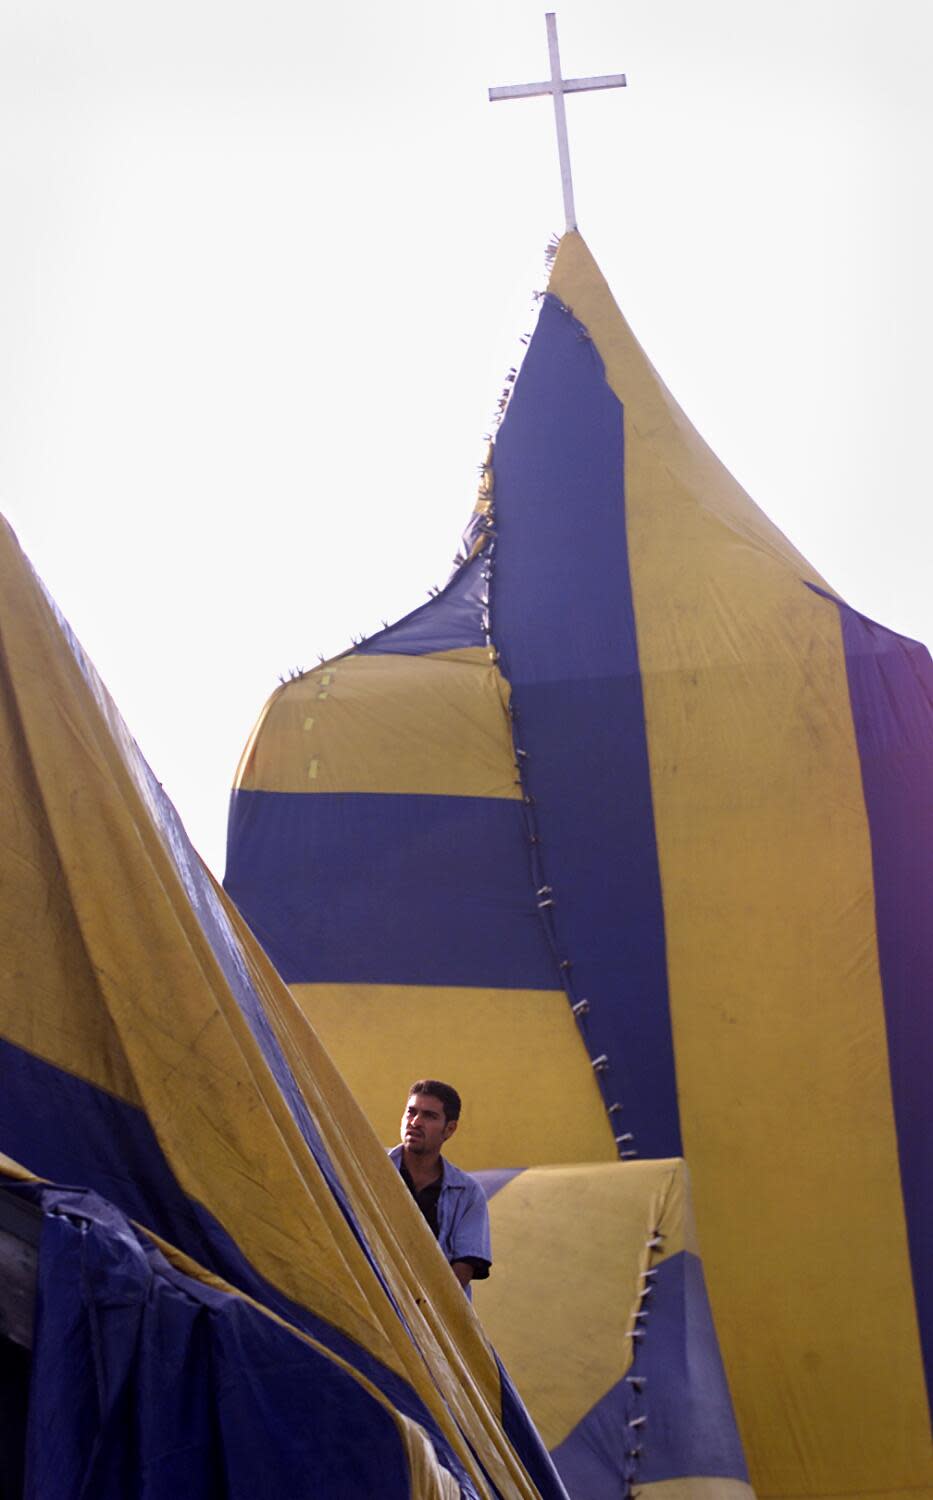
(448,1170)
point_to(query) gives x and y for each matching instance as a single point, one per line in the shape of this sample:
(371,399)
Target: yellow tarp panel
(550,1102)
(589,1281)
(435,724)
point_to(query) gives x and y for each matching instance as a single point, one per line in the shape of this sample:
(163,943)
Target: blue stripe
(563,622)
(62,1128)
(363,888)
(689,1428)
(450,622)
(68,1131)
(494,1179)
(891,692)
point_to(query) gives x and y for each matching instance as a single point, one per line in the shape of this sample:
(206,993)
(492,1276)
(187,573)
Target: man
(452,1201)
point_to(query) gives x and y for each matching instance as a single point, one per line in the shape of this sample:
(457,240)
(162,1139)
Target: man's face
(424,1125)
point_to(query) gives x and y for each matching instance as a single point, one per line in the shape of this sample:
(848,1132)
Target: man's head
(430,1117)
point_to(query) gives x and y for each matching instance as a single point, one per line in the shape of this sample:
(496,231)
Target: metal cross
(558,87)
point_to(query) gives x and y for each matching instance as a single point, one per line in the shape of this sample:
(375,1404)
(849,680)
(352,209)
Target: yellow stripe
(696,1488)
(653,418)
(569,1246)
(775,992)
(11,1168)
(700,1488)
(427,1479)
(63,1023)
(910,1492)
(516,1057)
(435,724)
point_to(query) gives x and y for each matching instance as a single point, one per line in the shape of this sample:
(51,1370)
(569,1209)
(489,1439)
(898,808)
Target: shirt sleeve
(480,1267)
(469,1235)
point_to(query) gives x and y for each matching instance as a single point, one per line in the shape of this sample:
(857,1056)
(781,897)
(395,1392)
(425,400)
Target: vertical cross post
(557,87)
(560,120)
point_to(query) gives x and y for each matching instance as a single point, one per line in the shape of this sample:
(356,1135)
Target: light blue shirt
(462,1215)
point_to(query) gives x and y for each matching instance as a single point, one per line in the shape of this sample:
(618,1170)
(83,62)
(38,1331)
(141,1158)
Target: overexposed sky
(263,267)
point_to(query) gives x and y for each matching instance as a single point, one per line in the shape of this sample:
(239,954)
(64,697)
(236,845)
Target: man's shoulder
(456,1177)
(394,1153)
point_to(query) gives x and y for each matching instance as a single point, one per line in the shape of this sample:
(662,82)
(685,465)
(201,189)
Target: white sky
(263,266)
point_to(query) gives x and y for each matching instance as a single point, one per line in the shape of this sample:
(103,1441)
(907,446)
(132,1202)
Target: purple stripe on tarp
(65,1129)
(450,622)
(563,621)
(677,1384)
(496,1178)
(388,888)
(891,693)
(148,1382)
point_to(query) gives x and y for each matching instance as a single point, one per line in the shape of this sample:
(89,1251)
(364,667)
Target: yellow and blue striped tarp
(236,1295)
(628,832)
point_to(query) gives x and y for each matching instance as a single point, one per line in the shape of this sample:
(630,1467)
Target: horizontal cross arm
(568,86)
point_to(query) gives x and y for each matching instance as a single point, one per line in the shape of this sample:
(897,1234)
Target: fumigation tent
(629,832)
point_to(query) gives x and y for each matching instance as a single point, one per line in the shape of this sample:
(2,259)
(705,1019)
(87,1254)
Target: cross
(557,87)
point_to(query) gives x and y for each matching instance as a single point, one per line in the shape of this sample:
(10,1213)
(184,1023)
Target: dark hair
(444,1092)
